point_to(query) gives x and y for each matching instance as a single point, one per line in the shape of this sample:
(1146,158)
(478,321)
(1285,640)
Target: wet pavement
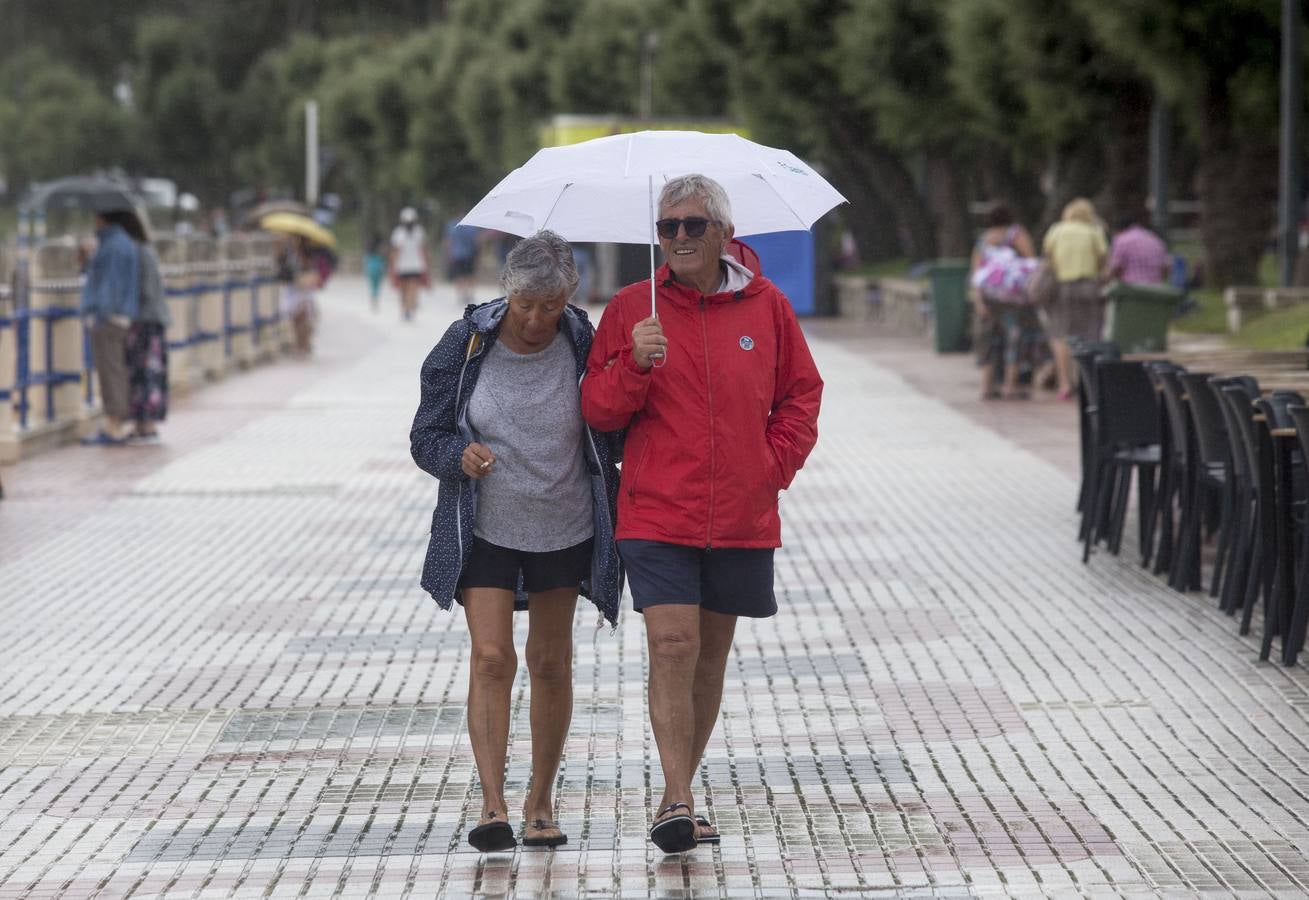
(220,678)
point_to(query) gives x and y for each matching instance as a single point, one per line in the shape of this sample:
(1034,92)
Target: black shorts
(491,566)
(734,582)
(460,268)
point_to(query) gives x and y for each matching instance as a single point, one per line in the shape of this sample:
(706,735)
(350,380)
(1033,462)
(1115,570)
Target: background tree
(1217,61)
(790,92)
(55,121)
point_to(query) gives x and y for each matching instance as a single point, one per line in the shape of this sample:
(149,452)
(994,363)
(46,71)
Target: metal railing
(34,376)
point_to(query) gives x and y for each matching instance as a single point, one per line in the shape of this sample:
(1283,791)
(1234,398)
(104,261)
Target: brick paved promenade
(219,676)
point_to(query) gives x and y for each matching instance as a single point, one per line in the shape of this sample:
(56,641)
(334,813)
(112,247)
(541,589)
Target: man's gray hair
(540,266)
(684,187)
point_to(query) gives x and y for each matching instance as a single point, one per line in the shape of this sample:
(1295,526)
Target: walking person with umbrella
(720,396)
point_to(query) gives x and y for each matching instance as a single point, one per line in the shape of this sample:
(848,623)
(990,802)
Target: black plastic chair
(1292,623)
(1172,470)
(1182,444)
(1127,442)
(1210,477)
(1085,353)
(1246,493)
(1275,410)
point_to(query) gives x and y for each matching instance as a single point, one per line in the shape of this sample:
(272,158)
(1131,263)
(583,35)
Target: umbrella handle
(661,360)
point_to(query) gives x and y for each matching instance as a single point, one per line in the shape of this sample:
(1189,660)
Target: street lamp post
(1291,168)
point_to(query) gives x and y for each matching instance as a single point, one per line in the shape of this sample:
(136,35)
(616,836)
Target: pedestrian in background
(460,245)
(1076,248)
(1008,328)
(409,261)
(147,344)
(525,515)
(111,297)
(1138,255)
(375,269)
(300,280)
(720,397)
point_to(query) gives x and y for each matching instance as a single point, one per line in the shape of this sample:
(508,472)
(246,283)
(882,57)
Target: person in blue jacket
(525,513)
(111,299)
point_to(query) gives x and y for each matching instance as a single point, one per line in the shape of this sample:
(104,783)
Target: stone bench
(1246,303)
(898,306)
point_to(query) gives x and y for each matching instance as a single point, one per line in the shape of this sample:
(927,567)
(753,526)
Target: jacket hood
(486,317)
(756,285)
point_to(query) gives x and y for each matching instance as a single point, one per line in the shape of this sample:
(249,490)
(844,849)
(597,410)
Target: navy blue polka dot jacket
(441,432)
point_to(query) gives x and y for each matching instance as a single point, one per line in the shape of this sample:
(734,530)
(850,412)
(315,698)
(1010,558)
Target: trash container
(948,280)
(1138,315)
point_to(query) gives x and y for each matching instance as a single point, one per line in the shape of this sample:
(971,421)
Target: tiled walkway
(218,676)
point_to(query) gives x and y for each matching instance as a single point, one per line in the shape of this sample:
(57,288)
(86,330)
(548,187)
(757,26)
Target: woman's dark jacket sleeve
(434,439)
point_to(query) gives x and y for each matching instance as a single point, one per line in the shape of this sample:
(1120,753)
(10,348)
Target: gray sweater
(527,409)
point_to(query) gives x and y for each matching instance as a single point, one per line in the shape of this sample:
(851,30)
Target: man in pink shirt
(1137,255)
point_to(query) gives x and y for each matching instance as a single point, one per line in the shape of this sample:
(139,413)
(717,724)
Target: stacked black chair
(1294,622)
(1172,471)
(1126,442)
(1085,353)
(1246,492)
(1210,475)
(1184,456)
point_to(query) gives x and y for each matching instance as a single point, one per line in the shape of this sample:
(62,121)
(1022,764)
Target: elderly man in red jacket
(720,397)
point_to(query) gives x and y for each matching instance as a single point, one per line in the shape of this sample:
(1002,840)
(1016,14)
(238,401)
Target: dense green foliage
(917,109)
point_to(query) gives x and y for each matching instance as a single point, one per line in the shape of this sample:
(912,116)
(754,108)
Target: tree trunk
(1003,183)
(949,205)
(1126,155)
(863,168)
(1237,185)
(869,218)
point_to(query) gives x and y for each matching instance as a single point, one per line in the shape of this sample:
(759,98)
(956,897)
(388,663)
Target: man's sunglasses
(694,226)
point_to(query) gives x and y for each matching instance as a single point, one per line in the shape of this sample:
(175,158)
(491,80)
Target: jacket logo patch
(746,342)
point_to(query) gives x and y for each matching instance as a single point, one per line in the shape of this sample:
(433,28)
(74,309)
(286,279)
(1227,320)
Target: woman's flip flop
(491,837)
(674,834)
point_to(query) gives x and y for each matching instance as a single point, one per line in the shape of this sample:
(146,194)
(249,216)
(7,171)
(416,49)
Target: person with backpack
(1003,263)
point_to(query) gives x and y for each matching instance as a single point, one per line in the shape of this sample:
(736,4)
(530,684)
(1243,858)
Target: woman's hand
(476,461)
(648,342)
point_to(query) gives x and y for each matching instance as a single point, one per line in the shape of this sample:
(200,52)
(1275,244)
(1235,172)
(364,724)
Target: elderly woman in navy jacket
(525,514)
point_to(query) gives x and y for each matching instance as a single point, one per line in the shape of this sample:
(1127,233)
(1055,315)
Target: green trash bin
(948,281)
(1138,315)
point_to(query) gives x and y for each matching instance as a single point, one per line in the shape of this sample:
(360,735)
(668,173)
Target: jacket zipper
(709,396)
(459,499)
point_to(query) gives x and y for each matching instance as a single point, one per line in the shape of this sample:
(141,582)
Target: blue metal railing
(17,313)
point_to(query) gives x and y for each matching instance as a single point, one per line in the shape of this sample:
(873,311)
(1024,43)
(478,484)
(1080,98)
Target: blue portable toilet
(787,258)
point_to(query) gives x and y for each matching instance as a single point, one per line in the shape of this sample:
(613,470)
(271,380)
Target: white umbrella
(603,189)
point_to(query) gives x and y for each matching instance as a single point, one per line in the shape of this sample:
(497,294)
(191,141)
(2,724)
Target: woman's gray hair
(684,187)
(540,266)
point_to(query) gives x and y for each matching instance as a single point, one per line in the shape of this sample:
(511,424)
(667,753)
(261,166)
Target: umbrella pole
(650,186)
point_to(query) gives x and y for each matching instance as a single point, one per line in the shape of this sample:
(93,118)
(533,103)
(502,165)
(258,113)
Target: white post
(311,152)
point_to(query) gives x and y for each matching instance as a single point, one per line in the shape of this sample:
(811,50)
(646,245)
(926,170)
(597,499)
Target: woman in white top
(409,261)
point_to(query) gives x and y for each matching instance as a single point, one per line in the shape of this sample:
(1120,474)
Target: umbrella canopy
(292,223)
(601,190)
(267,208)
(82,192)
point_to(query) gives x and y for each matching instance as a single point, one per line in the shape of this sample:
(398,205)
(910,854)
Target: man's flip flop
(675,834)
(713,838)
(541,825)
(492,836)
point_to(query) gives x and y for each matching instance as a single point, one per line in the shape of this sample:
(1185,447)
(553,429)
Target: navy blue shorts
(492,566)
(734,582)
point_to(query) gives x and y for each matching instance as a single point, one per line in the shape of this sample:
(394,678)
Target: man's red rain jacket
(715,433)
